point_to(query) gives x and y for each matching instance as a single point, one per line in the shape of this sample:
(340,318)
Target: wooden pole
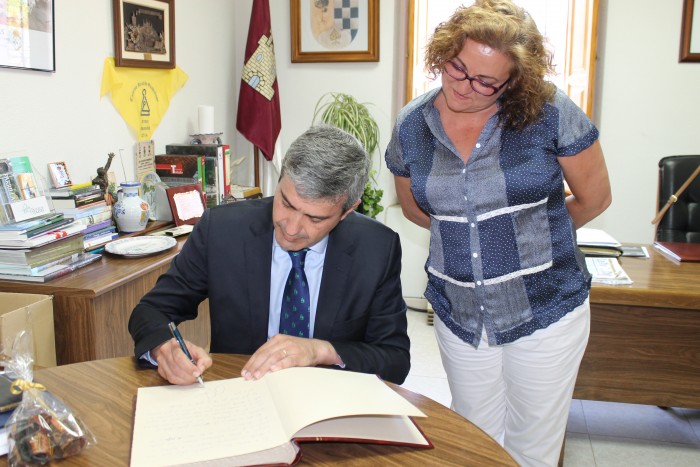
(674,197)
(256,170)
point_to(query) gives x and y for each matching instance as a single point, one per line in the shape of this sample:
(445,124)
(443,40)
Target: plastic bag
(42,428)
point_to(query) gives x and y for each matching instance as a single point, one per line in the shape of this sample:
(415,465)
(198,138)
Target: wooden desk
(92,305)
(102,394)
(644,346)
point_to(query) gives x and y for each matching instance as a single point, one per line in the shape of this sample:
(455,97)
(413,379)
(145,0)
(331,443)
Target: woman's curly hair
(509,29)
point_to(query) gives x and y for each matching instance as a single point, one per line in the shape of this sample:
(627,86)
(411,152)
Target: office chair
(681,222)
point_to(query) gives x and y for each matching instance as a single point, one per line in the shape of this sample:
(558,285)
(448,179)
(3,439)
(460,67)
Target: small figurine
(102,180)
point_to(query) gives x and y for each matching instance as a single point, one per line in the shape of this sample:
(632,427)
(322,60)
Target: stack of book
(214,172)
(41,249)
(597,243)
(86,205)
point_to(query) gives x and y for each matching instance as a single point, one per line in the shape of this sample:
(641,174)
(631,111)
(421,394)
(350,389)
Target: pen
(178,337)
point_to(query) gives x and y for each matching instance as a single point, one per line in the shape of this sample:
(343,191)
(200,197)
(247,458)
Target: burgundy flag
(258,116)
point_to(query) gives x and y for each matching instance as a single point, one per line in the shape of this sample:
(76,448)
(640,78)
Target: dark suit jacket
(227,259)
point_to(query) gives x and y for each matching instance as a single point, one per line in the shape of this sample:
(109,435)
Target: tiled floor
(602,434)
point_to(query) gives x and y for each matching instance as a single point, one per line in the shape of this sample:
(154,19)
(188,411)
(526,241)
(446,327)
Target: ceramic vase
(130,211)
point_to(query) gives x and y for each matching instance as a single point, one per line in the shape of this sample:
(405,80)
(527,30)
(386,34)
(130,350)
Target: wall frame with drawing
(690,32)
(144,33)
(334,30)
(27,35)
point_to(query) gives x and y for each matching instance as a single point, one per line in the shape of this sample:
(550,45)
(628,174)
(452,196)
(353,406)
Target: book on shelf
(262,421)
(95,207)
(43,266)
(100,240)
(40,255)
(92,219)
(211,150)
(82,260)
(78,201)
(47,224)
(72,191)
(679,251)
(90,228)
(45,238)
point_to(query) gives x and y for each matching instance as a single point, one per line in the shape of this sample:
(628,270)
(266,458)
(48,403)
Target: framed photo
(144,33)
(59,174)
(27,37)
(690,32)
(335,30)
(186,203)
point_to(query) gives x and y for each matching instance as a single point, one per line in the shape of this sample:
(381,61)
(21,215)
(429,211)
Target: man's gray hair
(326,162)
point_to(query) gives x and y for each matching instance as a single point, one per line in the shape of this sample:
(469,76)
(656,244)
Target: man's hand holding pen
(174,366)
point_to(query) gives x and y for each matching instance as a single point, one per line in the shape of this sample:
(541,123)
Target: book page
(186,424)
(394,429)
(331,393)
(191,424)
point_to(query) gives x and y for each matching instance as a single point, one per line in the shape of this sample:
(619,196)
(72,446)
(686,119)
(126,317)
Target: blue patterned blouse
(502,244)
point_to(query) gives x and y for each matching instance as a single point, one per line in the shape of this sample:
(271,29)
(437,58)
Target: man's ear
(351,209)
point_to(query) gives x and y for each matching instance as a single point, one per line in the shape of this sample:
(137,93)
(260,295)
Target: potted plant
(345,112)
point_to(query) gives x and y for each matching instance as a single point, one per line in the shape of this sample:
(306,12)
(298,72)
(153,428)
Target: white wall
(646,102)
(647,107)
(60,116)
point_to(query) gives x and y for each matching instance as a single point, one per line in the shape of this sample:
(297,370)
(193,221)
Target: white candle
(206,119)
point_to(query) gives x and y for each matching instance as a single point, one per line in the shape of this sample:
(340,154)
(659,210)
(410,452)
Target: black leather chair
(681,223)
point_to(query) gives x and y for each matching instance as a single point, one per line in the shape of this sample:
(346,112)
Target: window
(570,27)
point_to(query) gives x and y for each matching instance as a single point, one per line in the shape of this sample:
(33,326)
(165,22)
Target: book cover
(261,422)
(81,261)
(30,224)
(92,219)
(76,202)
(73,190)
(91,228)
(85,210)
(45,238)
(40,255)
(80,213)
(56,222)
(100,240)
(100,232)
(29,270)
(679,251)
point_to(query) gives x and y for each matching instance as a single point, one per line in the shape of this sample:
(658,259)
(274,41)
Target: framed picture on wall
(27,35)
(59,174)
(144,33)
(335,30)
(690,32)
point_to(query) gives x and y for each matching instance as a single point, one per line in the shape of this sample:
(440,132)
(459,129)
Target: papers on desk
(607,271)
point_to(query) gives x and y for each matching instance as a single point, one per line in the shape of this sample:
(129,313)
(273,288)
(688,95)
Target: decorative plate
(148,191)
(135,247)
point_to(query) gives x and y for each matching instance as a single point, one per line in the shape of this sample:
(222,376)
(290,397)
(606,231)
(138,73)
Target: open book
(243,422)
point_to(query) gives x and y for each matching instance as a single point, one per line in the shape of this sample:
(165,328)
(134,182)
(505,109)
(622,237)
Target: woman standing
(481,162)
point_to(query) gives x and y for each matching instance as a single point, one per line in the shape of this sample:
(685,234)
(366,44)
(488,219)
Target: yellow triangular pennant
(141,95)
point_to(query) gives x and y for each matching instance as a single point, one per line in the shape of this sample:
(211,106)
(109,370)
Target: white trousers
(519,393)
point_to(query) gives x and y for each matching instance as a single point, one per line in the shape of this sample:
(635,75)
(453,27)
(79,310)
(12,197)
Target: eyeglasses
(460,74)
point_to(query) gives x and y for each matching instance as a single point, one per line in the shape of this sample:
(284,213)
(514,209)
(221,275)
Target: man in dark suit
(239,256)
